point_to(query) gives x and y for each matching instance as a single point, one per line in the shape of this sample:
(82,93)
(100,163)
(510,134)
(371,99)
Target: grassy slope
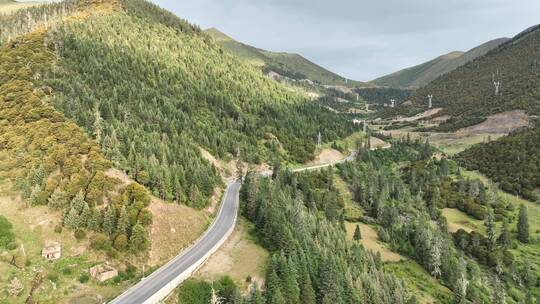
(422,74)
(280,62)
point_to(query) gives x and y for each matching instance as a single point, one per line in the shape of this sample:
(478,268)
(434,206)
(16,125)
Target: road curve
(162,281)
(156,286)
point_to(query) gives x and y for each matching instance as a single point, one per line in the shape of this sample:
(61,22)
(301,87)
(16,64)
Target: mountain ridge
(291,65)
(421,74)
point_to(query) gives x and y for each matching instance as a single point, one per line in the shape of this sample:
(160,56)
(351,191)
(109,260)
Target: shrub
(84,278)
(67,271)
(195,292)
(80,234)
(58,228)
(100,242)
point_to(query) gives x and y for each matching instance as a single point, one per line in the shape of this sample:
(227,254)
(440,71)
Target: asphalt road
(224,221)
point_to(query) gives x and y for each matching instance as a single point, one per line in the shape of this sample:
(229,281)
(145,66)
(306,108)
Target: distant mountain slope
(512,161)
(291,65)
(467,94)
(422,74)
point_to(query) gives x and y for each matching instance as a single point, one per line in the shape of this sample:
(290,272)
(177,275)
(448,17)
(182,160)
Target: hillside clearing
(327,155)
(460,220)
(427,288)
(504,122)
(370,241)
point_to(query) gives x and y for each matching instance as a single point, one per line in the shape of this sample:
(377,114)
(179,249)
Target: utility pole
(430,104)
(319,139)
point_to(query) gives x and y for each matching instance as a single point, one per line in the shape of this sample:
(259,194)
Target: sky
(362,39)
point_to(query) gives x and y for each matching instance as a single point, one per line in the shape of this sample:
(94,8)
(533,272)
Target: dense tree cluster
(151,103)
(404,188)
(311,261)
(512,161)
(50,160)
(26,20)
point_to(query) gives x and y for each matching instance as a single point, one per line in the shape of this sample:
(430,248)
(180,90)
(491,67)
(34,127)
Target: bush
(100,242)
(195,292)
(80,234)
(52,276)
(67,271)
(121,242)
(58,228)
(84,278)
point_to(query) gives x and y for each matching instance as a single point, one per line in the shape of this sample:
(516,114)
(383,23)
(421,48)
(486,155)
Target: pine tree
(78,202)
(95,220)
(109,222)
(435,260)
(523,225)
(58,199)
(273,290)
(489,222)
(85,216)
(357,234)
(71,219)
(498,295)
(504,238)
(123,222)
(255,296)
(139,238)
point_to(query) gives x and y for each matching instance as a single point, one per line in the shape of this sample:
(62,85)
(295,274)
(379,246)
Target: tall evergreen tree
(523,225)
(357,234)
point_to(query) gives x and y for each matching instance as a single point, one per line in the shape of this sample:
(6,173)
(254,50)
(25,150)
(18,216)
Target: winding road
(161,282)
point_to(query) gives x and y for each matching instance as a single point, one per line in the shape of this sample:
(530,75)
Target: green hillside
(467,94)
(290,65)
(512,161)
(152,103)
(422,74)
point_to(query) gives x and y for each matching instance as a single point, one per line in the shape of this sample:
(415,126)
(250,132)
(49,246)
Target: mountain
(422,74)
(467,95)
(286,64)
(106,108)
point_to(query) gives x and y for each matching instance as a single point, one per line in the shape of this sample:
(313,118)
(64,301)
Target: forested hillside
(408,194)
(512,161)
(422,74)
(151,103)
(468,94)
(286,64)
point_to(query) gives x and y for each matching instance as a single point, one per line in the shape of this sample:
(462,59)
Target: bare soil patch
(238,258)
(327,156)
(504,122)
(174,228)
(419,116)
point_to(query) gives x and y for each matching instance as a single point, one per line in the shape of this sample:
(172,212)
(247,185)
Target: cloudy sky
(362,39)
